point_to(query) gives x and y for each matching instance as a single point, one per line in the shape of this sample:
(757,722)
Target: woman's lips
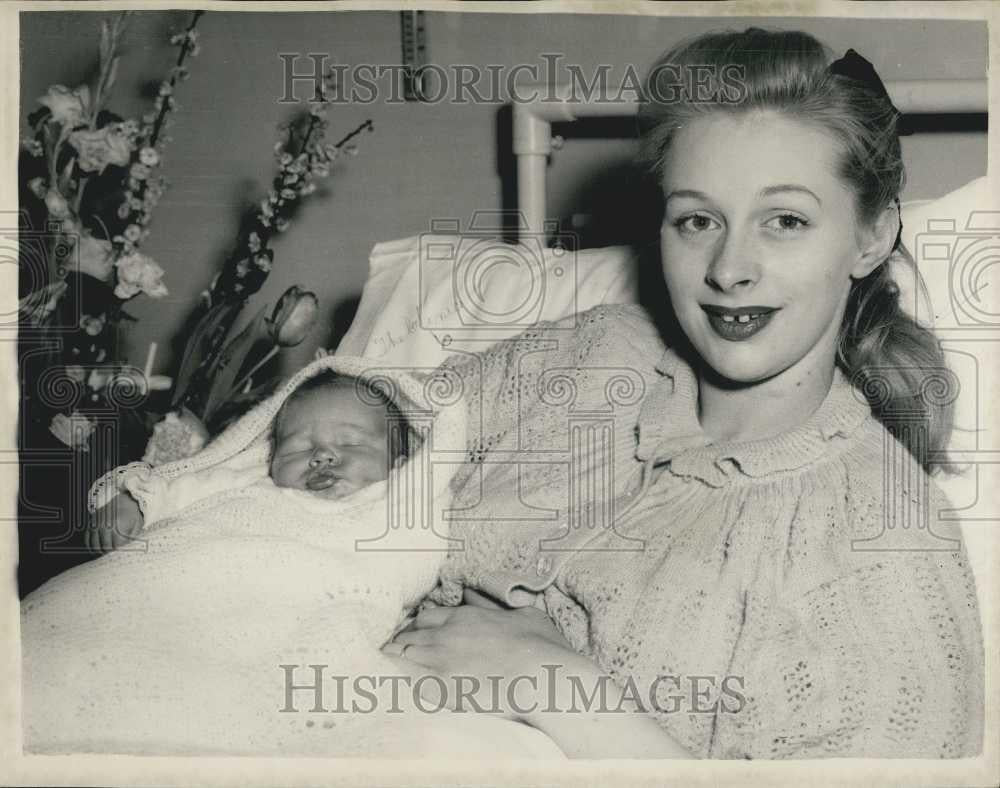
(738,324)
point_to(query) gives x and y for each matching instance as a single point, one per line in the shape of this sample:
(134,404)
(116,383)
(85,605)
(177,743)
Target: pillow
(954,242)
(431,295)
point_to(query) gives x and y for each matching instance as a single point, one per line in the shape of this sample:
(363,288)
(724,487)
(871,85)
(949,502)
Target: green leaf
(231,361)
(112,76)
(197,344)
(105,42)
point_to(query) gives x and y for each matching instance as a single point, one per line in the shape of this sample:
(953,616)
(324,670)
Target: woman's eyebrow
(690,193)
(789,187)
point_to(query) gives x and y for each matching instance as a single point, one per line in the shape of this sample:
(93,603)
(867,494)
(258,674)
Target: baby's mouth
(321,479)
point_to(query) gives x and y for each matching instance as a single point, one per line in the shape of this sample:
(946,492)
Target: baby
(334,435)
(298,537)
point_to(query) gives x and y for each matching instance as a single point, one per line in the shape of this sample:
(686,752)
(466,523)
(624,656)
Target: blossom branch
(189,44)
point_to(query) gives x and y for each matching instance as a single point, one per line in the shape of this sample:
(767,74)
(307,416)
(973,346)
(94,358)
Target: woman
(741,598)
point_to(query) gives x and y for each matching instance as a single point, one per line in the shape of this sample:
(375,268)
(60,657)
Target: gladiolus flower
(57,205)
(101,147)
(67,106)
(138,273)
(95,257)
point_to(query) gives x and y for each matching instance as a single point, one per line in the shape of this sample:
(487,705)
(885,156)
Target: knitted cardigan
(782,578)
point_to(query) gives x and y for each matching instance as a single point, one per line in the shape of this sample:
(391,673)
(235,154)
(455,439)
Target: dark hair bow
(853,66)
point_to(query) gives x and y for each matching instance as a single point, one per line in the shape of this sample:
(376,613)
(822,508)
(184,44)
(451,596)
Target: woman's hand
(537,679)
(467,645)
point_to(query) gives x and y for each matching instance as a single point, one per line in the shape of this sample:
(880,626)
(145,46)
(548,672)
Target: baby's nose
(323,456)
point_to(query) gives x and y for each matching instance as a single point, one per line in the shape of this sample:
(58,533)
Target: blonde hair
(895,362)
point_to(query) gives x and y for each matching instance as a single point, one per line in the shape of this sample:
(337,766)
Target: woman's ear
(877,242)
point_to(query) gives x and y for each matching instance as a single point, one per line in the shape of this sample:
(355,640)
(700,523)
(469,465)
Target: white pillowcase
(429,296)
(955,242)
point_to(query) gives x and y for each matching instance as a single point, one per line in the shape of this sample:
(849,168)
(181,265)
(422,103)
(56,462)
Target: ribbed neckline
(669,431)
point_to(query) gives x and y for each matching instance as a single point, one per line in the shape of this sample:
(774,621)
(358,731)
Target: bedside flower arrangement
(90,181)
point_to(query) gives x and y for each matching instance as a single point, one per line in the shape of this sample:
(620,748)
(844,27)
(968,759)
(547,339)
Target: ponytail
(899,366)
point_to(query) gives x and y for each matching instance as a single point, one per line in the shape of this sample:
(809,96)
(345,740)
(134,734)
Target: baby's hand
(114,524)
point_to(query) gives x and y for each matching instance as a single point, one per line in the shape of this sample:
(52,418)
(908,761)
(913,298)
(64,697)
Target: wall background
(423,161)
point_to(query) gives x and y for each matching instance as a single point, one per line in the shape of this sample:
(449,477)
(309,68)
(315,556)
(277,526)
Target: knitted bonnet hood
(429,400)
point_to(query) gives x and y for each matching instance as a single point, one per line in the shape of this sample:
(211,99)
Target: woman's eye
(694,223)
(787,222)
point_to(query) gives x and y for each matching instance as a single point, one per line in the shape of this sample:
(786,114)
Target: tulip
(293,317)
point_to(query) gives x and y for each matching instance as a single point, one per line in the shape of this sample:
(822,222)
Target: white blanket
(177,644)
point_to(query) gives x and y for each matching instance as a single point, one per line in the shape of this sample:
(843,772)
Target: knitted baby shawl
(174,645)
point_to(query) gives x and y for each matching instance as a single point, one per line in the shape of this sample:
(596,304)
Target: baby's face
(330,443)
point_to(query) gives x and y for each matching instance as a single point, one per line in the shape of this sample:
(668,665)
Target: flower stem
(242,381)
(105,75)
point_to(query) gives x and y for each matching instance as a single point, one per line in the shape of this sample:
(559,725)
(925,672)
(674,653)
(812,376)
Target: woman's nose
(324,455)
(733,266)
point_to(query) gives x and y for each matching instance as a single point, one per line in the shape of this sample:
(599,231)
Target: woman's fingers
(430,617)
(417,637)
(412,652)
(472,597)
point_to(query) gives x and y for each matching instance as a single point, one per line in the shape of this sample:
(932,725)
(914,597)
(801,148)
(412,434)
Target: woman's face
(759,244)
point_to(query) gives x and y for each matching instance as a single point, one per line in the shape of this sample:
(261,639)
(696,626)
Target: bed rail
(533,119)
